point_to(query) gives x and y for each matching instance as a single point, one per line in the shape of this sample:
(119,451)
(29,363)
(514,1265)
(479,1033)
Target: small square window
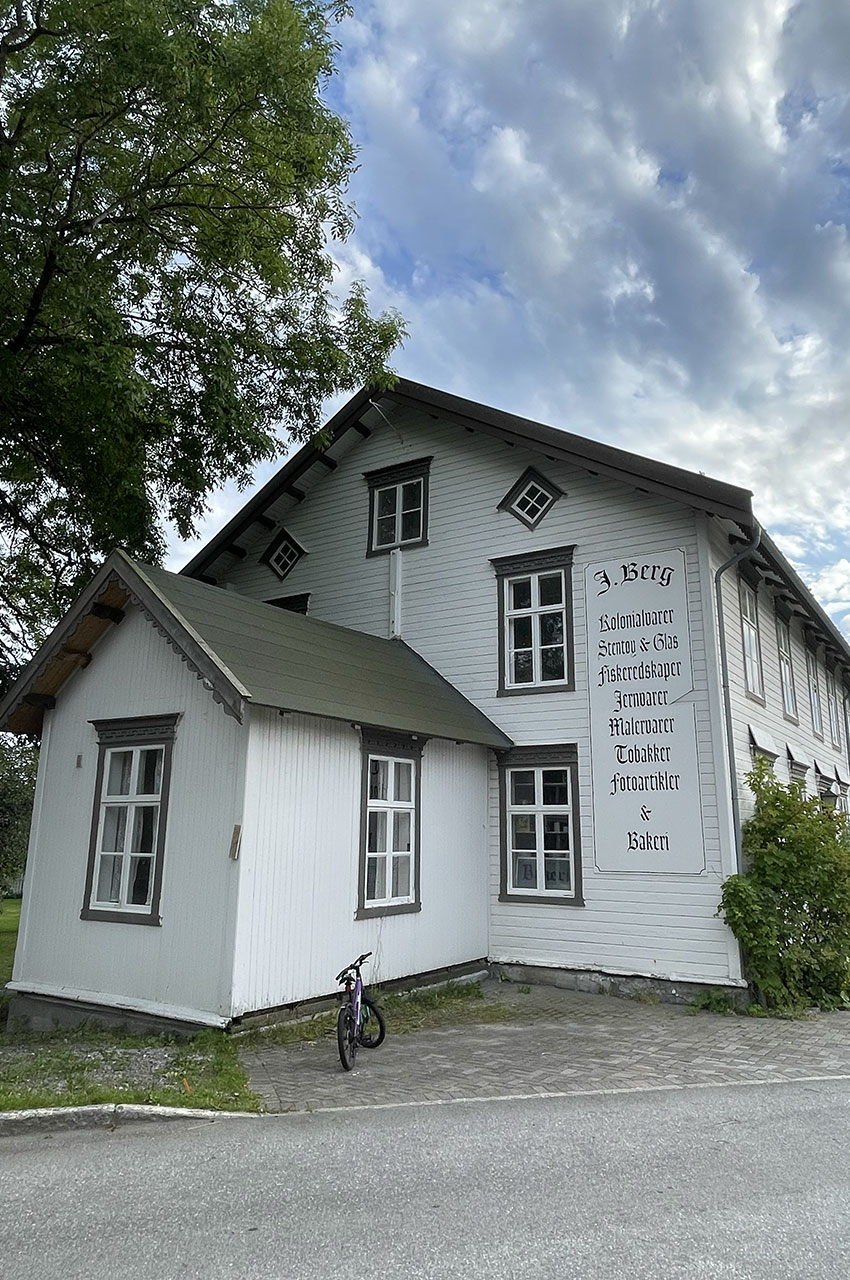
(398,506)
(530,498)
(282,554)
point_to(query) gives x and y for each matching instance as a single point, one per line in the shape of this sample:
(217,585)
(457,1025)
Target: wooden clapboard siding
(658,924)
(184,966)
(300,864)
(770,715)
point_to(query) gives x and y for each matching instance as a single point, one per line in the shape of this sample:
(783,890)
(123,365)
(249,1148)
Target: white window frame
(396,480)
(132,737)
(786,668)
(814,693)
(282,554)
(538,761)
(751,638)
(394,752)
(531,498)
(533,567)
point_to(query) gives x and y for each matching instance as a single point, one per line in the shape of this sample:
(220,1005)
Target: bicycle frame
(357,1011)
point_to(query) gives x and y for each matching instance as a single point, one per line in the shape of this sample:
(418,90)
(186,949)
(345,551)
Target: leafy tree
(18,763)
(790,909)
(170,183)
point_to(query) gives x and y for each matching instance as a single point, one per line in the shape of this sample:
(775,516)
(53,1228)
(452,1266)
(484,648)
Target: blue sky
(627,218)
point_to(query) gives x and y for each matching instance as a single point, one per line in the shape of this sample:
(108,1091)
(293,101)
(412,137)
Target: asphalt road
(749,1182)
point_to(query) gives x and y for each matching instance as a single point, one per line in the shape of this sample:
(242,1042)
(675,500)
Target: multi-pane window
(786,669)
(814,693)
(530,498)
(390,838)
(128,827)
(282,554)
(536,629)
(398,506)
(752,648)
(832,707)
(535,619)
(398,514)
(539,827)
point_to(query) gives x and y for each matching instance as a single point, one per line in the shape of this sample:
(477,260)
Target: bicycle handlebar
(355,964)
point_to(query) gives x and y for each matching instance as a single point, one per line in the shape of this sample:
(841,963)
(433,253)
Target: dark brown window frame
(554,755)
(387,478)
(529,476)
(401,746)
(136,731)
(276,543)
(536,562)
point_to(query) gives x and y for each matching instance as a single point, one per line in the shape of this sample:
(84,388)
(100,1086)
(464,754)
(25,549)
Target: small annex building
(455,688)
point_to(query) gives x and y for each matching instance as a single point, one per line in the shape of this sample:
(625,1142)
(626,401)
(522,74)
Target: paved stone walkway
(556,1042)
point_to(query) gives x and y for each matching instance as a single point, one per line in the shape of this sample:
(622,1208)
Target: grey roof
(248,651)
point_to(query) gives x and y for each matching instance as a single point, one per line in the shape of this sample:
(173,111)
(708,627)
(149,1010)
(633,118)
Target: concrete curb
(104,1116)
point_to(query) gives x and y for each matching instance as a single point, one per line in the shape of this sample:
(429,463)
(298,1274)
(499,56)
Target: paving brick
(558,1041)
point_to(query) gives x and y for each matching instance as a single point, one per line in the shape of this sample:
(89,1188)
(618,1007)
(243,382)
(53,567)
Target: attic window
(530,498)
(398,506)
(282,554)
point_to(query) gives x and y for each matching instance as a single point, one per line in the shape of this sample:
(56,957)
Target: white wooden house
(456,688)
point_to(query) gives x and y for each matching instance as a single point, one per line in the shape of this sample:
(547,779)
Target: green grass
(10,915)
(78,1068)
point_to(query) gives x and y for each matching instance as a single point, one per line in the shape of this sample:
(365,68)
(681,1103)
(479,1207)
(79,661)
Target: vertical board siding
(663,925)
(300,851)
(769,714)
(186,963)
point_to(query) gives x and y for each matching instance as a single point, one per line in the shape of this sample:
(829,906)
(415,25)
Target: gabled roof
(246,651)
(641,473)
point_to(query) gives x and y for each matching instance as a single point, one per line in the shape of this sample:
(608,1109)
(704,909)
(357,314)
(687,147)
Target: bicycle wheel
(372,1025)
(346,1037)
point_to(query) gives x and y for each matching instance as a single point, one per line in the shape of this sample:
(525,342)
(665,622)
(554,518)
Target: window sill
(542,899)
(390,909)
(120,917)
(395,546)
(756,697)
(790,719)
(535,688)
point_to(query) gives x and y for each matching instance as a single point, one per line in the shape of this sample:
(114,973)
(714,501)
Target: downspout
(724,675)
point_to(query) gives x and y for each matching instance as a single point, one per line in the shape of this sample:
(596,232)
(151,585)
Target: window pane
(555,786)
(403,780)
(120,772)
(385,532)
(557,872)
(411,526)
(114,828)
(379,771)
(376,878)
(401,877)
(109,880)
(523,668)
(556,834)
(387,499)
(522,786)
(520,594)
(376,833)
(401,832)
(150,772)
(552,664)
(550,586)
(521,633)
(523,831)
(411,496)
(140,881)
(525,872)
(552,628)
(144,828)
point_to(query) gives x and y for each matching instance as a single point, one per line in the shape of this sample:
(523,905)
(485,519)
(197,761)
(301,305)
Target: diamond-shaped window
(530,498)
(282,554)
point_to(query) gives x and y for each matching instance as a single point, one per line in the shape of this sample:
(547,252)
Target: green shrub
(790,908)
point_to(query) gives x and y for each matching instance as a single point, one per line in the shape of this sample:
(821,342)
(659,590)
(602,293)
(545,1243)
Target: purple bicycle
(360,1021)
